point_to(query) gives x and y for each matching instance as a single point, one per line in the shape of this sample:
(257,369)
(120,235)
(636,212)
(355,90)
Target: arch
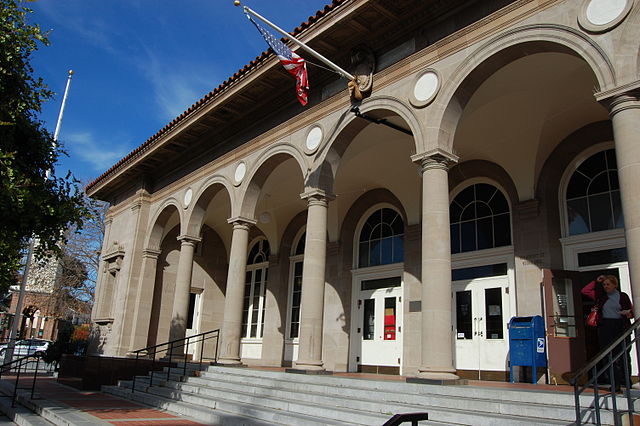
(347,127)
(264,165)
(475,171)
(501,50)
(366,203)
(160,219)
(209,189)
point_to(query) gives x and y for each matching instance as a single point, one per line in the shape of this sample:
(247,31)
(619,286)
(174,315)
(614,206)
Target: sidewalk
(64,405)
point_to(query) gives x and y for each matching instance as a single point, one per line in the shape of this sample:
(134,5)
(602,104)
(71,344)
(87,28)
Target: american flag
(294,64)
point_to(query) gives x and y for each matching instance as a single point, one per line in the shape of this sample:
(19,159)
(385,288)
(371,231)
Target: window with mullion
(480,219)
(296,294)
(593,195)
(253,312)
(381,239)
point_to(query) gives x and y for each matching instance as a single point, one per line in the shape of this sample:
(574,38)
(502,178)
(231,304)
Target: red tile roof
(211,95)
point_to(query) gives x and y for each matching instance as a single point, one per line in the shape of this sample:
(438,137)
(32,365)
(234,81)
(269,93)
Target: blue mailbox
(527,345)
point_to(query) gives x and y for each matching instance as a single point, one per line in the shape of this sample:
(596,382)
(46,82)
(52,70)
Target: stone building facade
(323,238)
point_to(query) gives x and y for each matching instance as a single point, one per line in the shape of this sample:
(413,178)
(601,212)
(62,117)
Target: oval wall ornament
(314,139)
(425,88)
(603,15)
(188,196)
(240,172)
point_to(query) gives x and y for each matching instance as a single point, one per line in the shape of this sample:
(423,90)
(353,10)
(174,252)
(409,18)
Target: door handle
(480,331)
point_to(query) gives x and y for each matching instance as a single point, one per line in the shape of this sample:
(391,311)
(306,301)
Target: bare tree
(81,259)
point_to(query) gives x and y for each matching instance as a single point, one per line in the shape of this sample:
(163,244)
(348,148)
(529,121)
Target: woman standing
(615,312)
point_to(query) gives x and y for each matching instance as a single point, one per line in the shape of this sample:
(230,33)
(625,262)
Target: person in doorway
(616,311)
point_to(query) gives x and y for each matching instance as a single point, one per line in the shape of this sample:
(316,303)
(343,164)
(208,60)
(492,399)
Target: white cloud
(98,154)
(175,86)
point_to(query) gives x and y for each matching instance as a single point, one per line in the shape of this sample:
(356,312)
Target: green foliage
(71,340)
(30,204)
(62,345)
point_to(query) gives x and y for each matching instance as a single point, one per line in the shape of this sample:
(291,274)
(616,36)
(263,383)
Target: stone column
(144,300)
(180,311)
(313,280)
(624,111)
(232,323)
(437,334)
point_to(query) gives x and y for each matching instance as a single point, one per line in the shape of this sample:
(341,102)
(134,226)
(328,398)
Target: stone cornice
(242,222)
(435,158)
(608,95)
(317,196)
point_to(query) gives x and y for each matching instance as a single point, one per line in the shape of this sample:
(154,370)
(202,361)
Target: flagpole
(303,46)
(64,101)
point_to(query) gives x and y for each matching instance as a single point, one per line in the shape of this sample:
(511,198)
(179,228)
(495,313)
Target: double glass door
(481,312)
(379,326)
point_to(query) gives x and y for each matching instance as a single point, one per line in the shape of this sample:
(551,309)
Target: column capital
(151,253)
(240,222)
(317,197)
(620,98)
(435,159)
(188,239)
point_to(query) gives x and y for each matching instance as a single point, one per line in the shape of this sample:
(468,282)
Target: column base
(438,375)
(308,366)
(309,372)
(229,362)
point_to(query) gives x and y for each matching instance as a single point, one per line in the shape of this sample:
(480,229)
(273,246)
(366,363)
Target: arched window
(297,260)
(254,290)
(480,219)
(593,195)
(381,239)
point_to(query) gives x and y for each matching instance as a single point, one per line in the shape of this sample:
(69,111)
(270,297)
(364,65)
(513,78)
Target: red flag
(294,64)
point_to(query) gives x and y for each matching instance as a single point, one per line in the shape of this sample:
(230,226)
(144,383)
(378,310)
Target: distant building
(43,308)
(323,238)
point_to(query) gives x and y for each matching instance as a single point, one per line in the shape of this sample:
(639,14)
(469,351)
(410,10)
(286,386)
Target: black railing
(414,418)
(603,364)
(168,352)
(21,366)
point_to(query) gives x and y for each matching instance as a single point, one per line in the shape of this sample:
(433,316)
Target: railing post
(596,394)
(153,367)
(135,372)
(614,385)
(15,389)
(201,351)
(170,360)
(576,397)
(215,355)
(35,374)
(185,350)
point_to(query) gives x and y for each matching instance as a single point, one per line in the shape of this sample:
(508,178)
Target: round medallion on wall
(313,140)
(425,88)
(602,15)
(188,196)
(240,172)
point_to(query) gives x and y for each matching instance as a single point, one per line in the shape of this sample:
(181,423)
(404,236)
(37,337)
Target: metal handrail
(20,363)
(170,346)
(607,366)
(414,418)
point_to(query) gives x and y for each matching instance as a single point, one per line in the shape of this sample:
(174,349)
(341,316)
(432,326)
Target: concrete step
(218,411)
(359,411)
(323,399)
(346,390)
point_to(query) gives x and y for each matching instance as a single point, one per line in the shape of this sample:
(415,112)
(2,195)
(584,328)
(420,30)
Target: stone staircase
(244,396)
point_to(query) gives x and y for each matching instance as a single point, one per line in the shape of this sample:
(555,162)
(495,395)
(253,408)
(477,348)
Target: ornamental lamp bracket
(363,62)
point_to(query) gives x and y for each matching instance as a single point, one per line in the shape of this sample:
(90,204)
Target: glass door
(481,312)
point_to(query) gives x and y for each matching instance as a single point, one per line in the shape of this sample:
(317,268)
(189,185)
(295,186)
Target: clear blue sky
(140,63)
